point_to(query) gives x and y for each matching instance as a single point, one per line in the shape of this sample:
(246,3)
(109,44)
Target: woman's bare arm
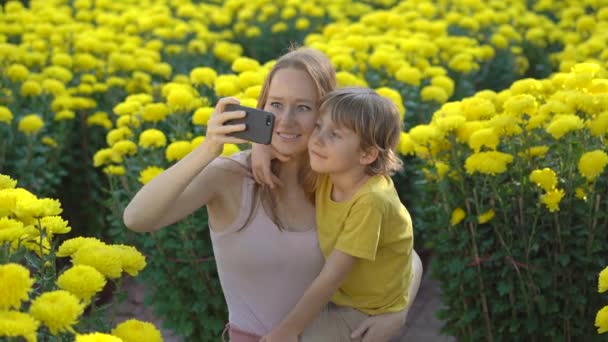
(188,184)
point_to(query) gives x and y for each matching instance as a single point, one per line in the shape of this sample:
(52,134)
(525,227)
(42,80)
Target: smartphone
(259,124)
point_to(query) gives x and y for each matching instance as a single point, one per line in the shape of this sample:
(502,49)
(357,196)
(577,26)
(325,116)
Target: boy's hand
(279,335)
(261,156)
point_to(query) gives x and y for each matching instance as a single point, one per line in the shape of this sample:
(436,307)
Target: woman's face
(292,98)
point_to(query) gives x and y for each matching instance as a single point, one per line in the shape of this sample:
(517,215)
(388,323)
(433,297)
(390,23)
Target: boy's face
(334,149)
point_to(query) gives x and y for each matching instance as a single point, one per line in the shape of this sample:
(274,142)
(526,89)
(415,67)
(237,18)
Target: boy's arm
(318,294)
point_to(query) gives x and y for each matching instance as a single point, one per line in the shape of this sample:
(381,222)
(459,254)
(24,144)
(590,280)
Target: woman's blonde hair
(320,69)
(375,120)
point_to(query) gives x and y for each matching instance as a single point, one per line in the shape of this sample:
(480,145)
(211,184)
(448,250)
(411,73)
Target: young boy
(365,233)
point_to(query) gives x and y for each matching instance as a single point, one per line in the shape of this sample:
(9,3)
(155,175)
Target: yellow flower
(177,150)
(97,337)
(552,198)
(580,194)
(245,64)
(598,126)
(106,156)
(483,137)
(82,281)
(443,82)
(180,98)
(65,114)
(225,88)
(31,88)
(118,134)
(131,259)
(562,124)
(279,27)
(127,108)
(434,93)
(230,149)
(125,147)
(592,164)
(521,104)
(203,75)
(457,216)
(394,96)
(406,144)
(6,182)
(490,163)
(114,170)
(545,178)
(5,114)
(476,108)
(152,138)
(15,285)
(30,124)
(536,151)
(32,207)
(55,225)
(18,324)
(302,24)
(128,121)
(17,72)
(48,141)
(137,331)
(486,217)
(149,173)
(155,112)
(409,75)
(102,257)
(602,281)
(423,134)
(58,310)
(70,246)
(601,320)
(100,119)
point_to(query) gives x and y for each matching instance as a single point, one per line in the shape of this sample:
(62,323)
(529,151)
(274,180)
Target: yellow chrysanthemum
(545,178)
(149,173)
(406,144)
(127,108)
(104,258)
(6,115)
(536,151)
(457,216)
(15,285)
(118,134)
(202,115)
(521,104)
(98,337)
(131,259)
(125,148)
(32,207)
(601,320)
(155,112)
(58,310)
(30,124)
(180,98)
(562,124)
(114,170)
(602,281)
(6,182)
(178,150)
(490,163)
(18,324)
(598,126)
(245,64)
(394,96)
(100,119)
(484,137)
(592,164)
(70,246)
(137,331)
(55,225)
(230,149)
(552,198)
(486,217)
(17,72)
(580,193)
(433,93)
(423,134)
(152,138)
(203,75)
(82,281)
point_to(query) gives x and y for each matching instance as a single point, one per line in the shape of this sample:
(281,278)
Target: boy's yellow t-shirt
(375,227)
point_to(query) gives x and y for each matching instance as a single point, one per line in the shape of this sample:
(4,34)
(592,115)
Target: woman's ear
(369,156)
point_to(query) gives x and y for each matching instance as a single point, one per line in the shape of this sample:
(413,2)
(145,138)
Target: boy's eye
(334,134)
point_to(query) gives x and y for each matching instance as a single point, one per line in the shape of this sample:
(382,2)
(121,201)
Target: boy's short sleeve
(361,232)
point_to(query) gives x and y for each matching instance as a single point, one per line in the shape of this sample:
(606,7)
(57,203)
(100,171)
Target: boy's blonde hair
(375,120)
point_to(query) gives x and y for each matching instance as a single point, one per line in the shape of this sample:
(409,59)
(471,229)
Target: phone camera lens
(267,121)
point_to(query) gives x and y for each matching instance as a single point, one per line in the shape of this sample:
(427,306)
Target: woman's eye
(304,108)
(275,105)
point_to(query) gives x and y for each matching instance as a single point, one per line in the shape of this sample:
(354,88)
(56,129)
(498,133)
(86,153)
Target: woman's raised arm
(188,184)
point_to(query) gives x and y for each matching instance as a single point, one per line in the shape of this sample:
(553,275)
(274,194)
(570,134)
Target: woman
(264,240)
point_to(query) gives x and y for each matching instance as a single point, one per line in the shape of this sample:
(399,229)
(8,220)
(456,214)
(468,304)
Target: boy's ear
(369,156)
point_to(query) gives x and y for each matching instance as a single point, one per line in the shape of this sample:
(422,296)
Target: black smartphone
(259,124)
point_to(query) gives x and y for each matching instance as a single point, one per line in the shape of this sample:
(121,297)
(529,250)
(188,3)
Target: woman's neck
(289,172)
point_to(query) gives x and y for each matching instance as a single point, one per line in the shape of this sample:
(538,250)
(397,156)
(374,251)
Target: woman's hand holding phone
(217,132)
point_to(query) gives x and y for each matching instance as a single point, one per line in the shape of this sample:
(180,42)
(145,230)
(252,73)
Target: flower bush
(601,319)
(41,299)
(518,183)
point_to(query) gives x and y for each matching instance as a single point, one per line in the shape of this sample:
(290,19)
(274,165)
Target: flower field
(505,135)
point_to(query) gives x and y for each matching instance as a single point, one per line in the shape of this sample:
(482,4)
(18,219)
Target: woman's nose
(286,116)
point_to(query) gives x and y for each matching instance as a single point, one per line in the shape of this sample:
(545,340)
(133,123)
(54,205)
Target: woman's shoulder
(238,163)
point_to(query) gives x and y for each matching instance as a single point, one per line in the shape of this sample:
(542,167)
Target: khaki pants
(334,324)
